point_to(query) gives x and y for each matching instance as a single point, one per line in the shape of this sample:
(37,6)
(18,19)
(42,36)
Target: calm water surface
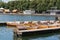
(7,34)
(24,18)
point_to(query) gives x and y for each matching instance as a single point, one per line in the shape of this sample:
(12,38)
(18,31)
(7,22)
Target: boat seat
(42,26)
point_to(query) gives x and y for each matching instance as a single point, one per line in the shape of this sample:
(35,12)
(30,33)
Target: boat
(13,24)
(14,11)
(36,26)
(6,11)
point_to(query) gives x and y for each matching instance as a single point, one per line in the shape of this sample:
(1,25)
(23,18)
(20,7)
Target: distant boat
(14,11)
(6,11)
(13,24)
(1,10)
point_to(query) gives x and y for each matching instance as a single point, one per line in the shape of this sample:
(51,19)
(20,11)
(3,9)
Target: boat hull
(38,33)
(30,33)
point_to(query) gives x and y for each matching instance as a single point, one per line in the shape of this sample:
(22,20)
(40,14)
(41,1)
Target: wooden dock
(23,32)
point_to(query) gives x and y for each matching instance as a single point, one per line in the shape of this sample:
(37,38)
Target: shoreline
(27,14)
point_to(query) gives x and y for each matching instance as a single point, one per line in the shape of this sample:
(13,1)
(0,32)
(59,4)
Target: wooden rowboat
(14,24)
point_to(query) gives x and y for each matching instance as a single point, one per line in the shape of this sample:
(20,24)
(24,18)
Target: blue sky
(5,0)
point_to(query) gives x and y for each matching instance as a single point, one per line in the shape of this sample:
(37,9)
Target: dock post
(19,34)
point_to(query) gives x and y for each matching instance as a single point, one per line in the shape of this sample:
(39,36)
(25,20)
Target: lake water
(25,18)
(7,34)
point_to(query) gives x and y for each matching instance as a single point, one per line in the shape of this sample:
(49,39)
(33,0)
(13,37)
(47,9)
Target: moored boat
(13,24)
(36,26)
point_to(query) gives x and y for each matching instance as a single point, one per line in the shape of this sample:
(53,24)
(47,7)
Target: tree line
(37,5)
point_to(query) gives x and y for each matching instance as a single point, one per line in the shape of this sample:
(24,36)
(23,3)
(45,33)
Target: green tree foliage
(37,5)
(2,4)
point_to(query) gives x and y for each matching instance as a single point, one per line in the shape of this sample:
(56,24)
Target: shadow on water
(3,24)
(41,35)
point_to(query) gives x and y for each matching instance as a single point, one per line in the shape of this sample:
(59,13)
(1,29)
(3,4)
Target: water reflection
(7,34)
(49,36)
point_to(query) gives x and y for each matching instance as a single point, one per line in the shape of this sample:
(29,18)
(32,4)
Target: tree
(37,5)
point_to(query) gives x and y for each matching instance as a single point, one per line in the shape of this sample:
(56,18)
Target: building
(53,11)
